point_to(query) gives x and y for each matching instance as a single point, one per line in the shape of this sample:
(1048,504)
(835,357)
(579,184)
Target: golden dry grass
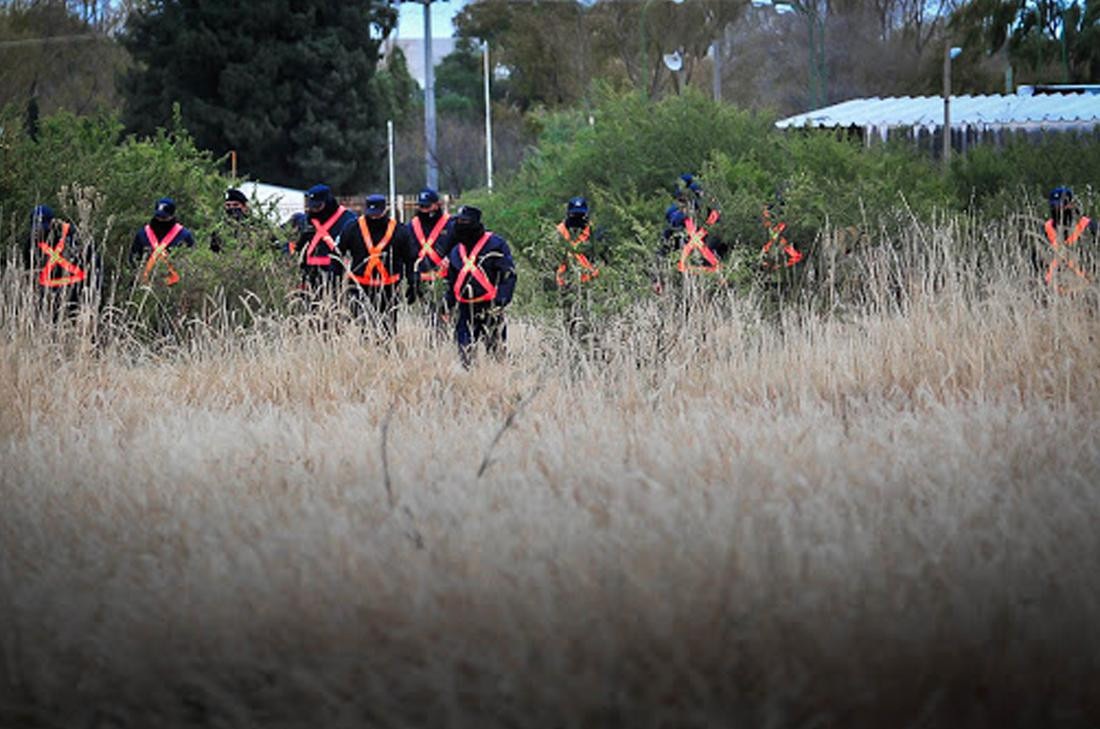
(883,518)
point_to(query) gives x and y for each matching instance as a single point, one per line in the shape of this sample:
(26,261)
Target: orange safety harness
(469,268)
(75,273)
(427,248)
(695,242)
(1060,255)
(160,252)
(321,234)
(775,235)
(588,271)
(374,258)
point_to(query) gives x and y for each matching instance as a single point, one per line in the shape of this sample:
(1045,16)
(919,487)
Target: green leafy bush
(89,173)
(628,162)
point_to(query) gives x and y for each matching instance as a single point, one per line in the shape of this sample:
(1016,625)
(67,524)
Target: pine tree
(289,84)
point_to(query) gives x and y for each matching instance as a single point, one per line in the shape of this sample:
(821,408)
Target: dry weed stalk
(880,515)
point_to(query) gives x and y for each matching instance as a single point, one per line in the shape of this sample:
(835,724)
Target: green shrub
(629,160)
(88,172)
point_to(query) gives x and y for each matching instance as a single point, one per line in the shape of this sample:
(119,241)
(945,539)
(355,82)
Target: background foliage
(90,173)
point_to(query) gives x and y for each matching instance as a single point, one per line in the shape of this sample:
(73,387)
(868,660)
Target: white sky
(410,22)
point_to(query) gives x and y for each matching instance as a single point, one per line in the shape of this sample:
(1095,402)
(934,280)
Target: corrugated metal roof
(979,111)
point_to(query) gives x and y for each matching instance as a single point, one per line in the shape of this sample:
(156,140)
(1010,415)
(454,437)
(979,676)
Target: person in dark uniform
(430,229)
(582,250)
(319,244)
(698,250)
(64,266)
(238,224)
(1068,265)
(481,279)
(380,253)
(155,241)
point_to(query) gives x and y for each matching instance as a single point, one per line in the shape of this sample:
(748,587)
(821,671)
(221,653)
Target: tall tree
(58,57)
(289,84)
(1049,40)
(554,50)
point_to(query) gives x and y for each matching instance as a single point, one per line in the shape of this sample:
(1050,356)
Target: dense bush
(89,173)
(996,178)
(628,159)
(625,155)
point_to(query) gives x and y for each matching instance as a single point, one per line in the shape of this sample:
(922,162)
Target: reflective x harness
(775,235)
(469,268)
(695,242)
(321,234)
(160,253)
(375,272)
(587,270)
(75,273)
(427,248)
(1061,256)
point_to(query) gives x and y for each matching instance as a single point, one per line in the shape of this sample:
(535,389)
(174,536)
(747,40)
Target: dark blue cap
(1060,196)
(235,195)
(468,214)
(41,217)
(427,197)
(675,216)
(577,206)
(375,205)
(318,195)
(165,208)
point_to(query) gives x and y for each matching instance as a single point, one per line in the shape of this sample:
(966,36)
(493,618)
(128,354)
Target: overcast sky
(411,21)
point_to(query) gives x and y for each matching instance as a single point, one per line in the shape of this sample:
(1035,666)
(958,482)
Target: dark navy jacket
(443,244)
(495,259)
(143,246)
(398,257)
(338,229)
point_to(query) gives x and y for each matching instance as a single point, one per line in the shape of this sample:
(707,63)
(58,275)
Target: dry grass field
(886,515)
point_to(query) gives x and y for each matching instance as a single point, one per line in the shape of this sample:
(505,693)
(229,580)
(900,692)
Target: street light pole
(430,157)
(644,34)
(717,80)
(949,53)
(1065,51)
(488,122)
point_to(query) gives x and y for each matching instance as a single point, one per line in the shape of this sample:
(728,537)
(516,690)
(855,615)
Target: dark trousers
(377,305)
(476,323)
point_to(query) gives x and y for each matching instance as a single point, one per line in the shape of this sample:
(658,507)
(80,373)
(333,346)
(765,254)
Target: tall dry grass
(883,514)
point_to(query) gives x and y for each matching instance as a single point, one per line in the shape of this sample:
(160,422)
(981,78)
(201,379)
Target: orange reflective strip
(469,268)
(321,233)
(1052,237)
(694,243)
(775,235)
(374,258)
(427,247)
(588,271)
(564,232)
(55,259)
(160,252)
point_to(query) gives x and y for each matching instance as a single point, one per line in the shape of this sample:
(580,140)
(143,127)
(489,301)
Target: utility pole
(717,80)
(948,54)
(393,182)
(488,122)
(431,159)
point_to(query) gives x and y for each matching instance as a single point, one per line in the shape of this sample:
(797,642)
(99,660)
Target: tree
(1047,39)
(554,50)
(289,84)
(57,57)
(458,81)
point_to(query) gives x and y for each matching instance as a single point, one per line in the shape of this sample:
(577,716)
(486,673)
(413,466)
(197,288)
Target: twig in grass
(487,459)
(413,534)
(385,457)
